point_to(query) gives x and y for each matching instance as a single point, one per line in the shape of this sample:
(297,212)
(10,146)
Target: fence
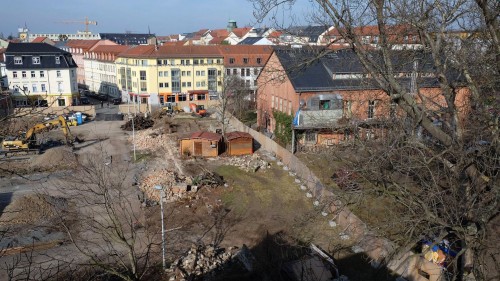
(56,110)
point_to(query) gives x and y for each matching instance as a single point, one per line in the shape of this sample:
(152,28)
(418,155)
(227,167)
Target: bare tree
(109,228)
(440,163)
(231,99)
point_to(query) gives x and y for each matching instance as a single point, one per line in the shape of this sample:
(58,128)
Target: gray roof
(46,52)
(127,38)
(313,69)
(250,40)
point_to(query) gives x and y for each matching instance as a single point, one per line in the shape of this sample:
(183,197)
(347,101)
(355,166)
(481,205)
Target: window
(183,84)
(255,71)
(259,60)
(72,73)
(160,73)
(42,74)
(18,60)
(144,86)
(35,60)
(165,62)
(183,62)
(144,100)
(34,88)
(228,71)
(61,102)
(242,72)
(14,74)
(248,71)
(188,73)
(160,85)
(183,73)
(58,60)
(162,100)
(42,86)
(231,60)
(289,108)
(23,73)
(182,97)
(210,61)
(311,137)
(202,62)
(172,62)
(189,84)
(165,73)
(201,97)
(196,62)
(58,73)
(245,60)
(60,87)
(371,109)
(188,62)
(272,102)
(166,85)
(158,62)
(170,98)
(198,84)
(142,74)
(235,71)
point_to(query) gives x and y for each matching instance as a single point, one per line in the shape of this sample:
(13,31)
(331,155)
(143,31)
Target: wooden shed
(205,144)
(239,143)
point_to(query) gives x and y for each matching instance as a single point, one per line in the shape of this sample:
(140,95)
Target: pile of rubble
(201,262)
(249,163)
(174,185)
(140,123)
(151,140)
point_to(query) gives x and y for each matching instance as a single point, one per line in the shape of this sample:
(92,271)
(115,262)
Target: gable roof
(312,32)
(39,39)
(242,31)
(251,52)
(83,44)
(33,48)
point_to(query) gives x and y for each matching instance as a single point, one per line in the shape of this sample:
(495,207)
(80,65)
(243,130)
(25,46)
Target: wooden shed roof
(236,135)
(205,136)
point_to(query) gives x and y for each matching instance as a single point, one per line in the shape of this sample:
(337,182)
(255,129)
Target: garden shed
(205,144)
(239,143)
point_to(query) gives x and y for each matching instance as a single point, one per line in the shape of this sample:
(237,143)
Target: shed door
(198,148)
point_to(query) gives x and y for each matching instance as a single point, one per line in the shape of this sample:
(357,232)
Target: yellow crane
(86,22)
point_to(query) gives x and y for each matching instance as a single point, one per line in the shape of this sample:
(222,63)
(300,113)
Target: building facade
(40,74)
(100,70)
(181,74)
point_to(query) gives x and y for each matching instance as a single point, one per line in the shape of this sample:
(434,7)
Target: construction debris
(139,123)
(152,140)
(249,163)
(174,185)
(201,262)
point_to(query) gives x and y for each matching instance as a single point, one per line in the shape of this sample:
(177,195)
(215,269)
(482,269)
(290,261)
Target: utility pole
(162,194)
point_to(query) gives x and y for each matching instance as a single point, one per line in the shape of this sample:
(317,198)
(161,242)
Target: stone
(297,181)
(303,187)
(286,168)
(316,203)
(324,214)
(332,223)
(309,195)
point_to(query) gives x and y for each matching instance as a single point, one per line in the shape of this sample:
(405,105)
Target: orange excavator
(198,109)
(27,141)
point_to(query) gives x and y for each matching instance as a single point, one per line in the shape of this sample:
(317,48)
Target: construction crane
(87,22)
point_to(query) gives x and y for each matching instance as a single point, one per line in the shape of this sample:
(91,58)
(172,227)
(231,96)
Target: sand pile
(55,158)
(33,209)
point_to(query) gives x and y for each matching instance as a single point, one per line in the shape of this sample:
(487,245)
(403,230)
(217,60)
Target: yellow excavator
(27,141)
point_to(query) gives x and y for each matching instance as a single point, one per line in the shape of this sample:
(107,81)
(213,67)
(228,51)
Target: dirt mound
(54,158)
(140,123)
(33,209)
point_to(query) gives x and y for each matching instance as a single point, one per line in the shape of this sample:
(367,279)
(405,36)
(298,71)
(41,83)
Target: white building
(100,69)
(40,74)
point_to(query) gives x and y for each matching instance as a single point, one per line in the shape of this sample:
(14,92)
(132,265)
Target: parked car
(117,101)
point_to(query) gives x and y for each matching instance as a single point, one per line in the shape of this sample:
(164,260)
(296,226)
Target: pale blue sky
(164,17)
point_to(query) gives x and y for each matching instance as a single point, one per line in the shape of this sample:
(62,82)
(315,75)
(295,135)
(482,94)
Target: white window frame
(18,60)
(42,74)
(58,73)
(35,60)
(58,60)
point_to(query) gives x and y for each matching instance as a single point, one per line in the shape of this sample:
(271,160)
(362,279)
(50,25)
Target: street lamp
(133,134)
(162,194)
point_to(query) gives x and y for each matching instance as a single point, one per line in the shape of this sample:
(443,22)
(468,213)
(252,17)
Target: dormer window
(58,60)
(18,60)
(231,60)
(245,60)
(35,60)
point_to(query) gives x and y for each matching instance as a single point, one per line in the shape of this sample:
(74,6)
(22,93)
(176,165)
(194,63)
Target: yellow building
(181,74)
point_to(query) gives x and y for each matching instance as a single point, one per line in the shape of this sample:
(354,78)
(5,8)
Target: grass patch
(141,156)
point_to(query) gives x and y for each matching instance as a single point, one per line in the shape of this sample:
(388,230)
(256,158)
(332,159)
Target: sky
(162,17)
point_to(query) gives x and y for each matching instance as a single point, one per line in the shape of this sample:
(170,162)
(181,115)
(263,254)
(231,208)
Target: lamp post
(162,194)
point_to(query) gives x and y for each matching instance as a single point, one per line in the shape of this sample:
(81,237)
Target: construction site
(219,206)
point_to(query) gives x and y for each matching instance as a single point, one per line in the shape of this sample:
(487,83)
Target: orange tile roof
(235,135)
(39,39)
(240,32)
(239,52)
(217,40)
(84,44)
(219,33)
(111,49)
